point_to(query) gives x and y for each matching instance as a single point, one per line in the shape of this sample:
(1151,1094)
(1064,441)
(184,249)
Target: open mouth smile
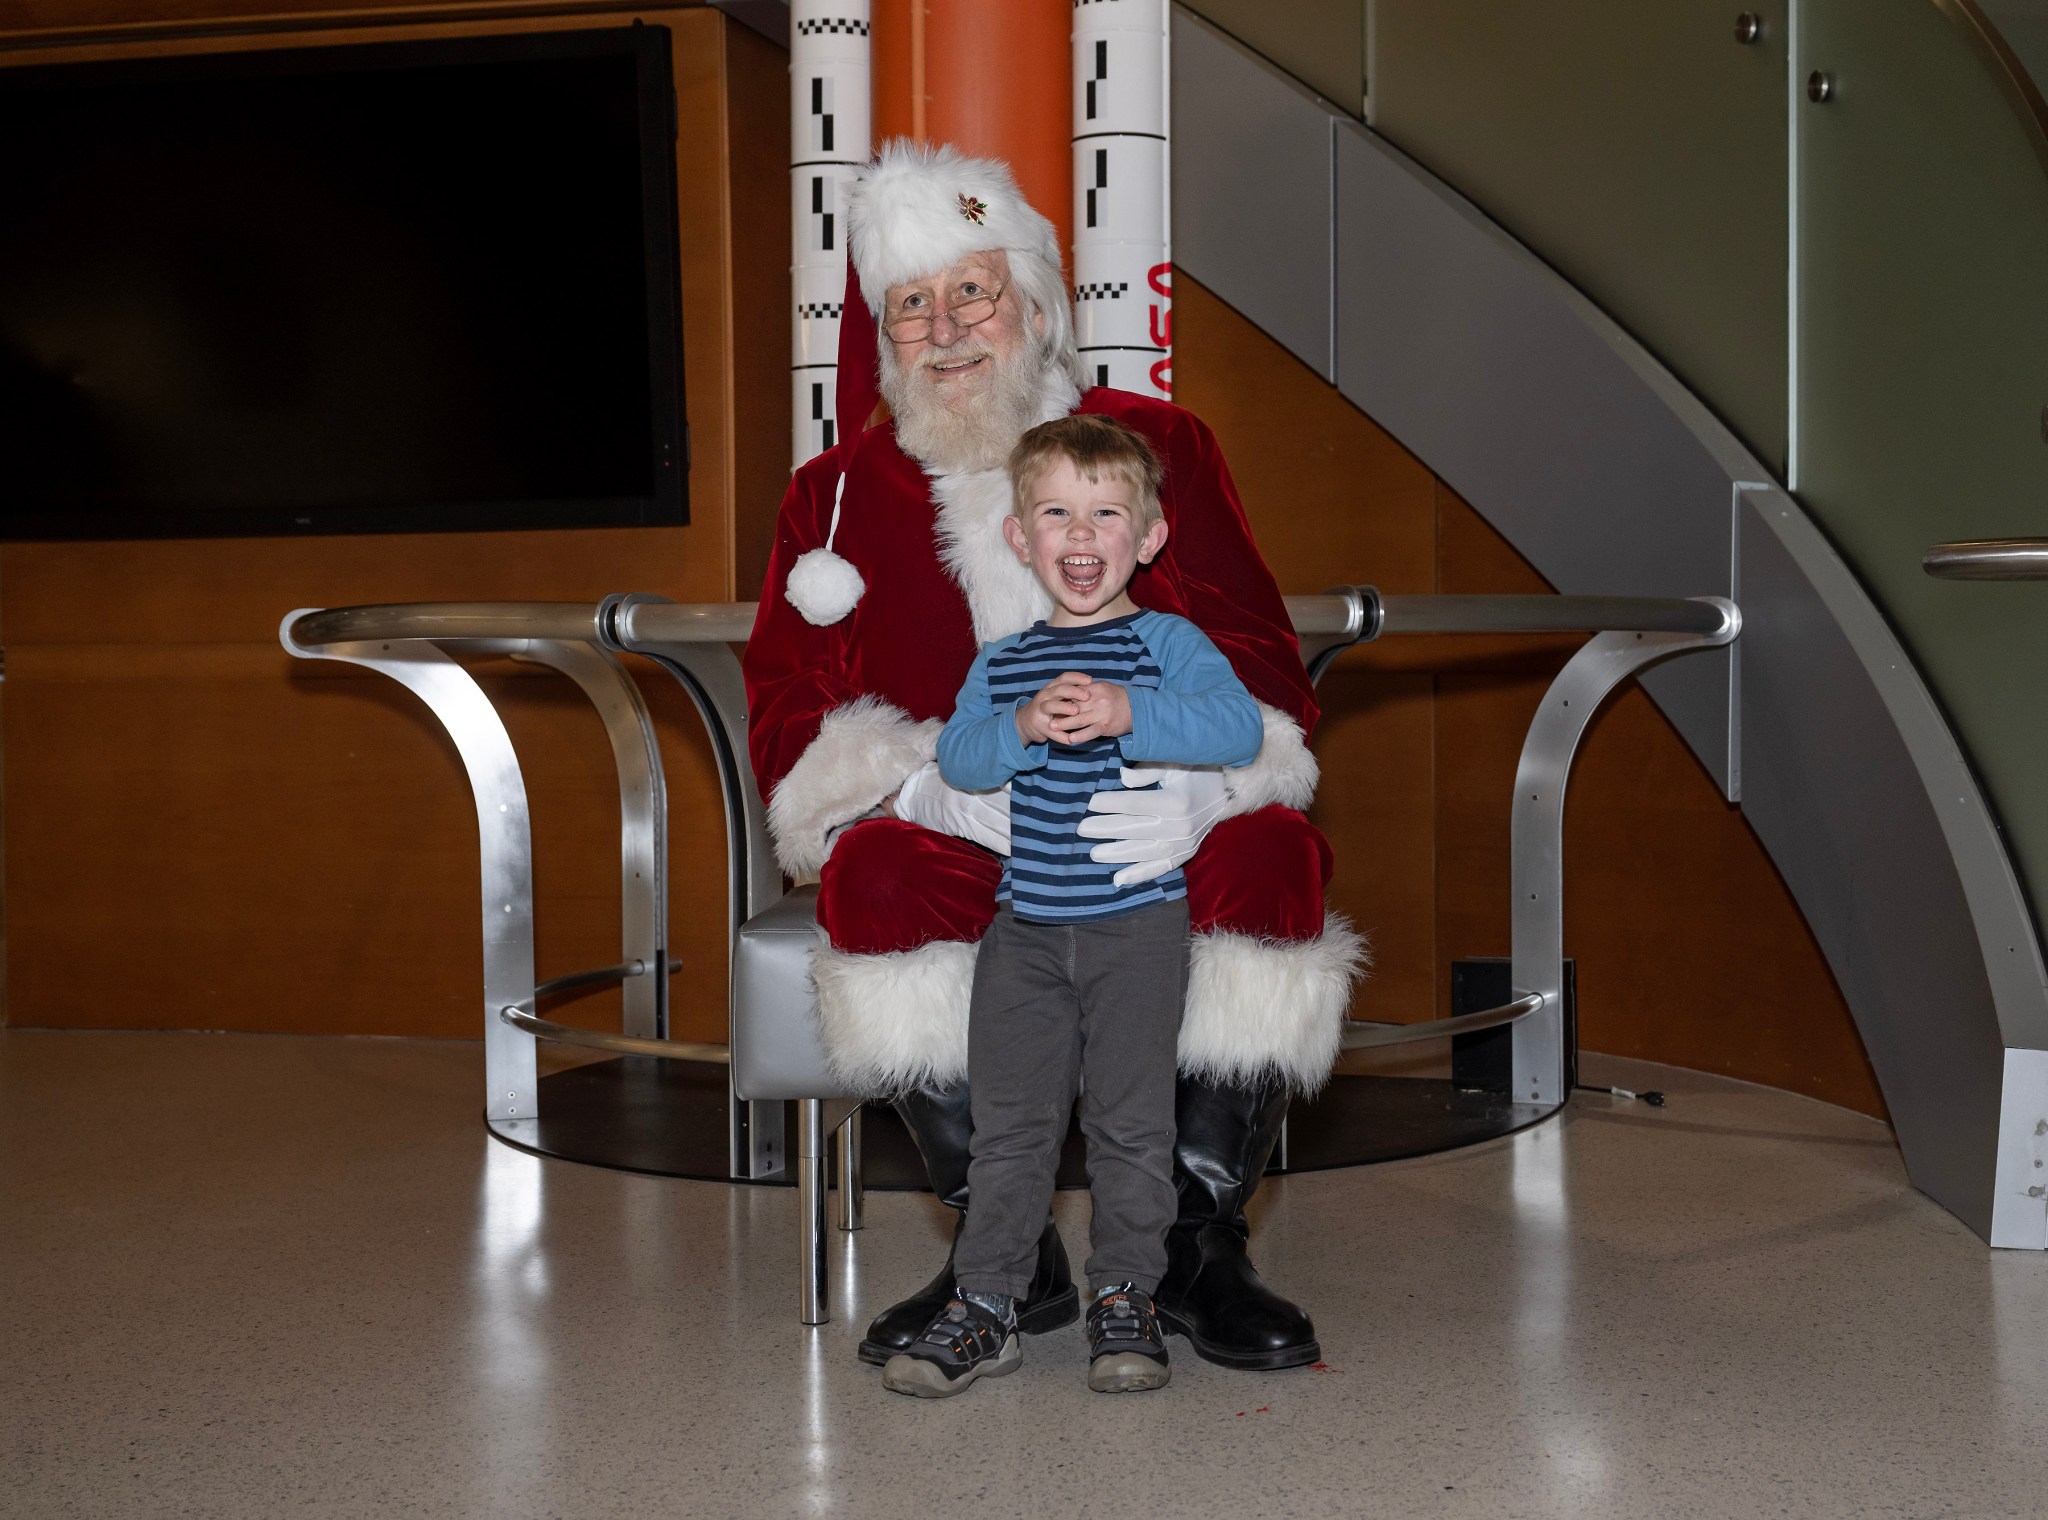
(1081,572)
(958,366)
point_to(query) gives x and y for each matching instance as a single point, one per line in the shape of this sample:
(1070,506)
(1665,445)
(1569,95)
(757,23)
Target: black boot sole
(1060,1309)
(1241,1361)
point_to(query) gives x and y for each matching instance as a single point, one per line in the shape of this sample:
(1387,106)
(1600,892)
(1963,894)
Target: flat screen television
(396,287)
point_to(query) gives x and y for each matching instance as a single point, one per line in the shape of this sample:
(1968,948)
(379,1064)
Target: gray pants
(1096,1004)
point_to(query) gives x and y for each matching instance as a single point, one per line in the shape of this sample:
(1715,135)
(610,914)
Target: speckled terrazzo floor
(246,1276)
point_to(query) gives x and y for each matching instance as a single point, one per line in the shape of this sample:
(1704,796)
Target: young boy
(1078,980)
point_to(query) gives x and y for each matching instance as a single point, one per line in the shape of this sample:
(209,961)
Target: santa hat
(916,210)
(920,208)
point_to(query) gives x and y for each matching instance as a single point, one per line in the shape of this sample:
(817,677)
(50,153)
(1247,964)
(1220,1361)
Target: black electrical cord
(1654,1099)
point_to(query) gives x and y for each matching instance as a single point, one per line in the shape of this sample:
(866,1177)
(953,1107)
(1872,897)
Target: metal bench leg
(851,1193)
(814,1305)
(815,1119)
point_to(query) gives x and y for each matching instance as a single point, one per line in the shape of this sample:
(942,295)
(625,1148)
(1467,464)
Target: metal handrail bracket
(1629,634)
(416,646)
(505,835)
(693,643)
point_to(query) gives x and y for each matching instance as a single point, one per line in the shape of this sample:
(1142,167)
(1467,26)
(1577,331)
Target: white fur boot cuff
(1267,1009)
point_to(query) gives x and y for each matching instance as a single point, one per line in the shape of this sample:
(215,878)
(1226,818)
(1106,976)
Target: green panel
(1319,42)
(1637,147)
(1923,364)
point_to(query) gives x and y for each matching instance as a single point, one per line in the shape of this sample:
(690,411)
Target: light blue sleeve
(980,748)
(1200,713)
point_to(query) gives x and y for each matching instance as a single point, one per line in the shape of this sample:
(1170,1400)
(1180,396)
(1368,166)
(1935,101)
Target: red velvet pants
(892,885)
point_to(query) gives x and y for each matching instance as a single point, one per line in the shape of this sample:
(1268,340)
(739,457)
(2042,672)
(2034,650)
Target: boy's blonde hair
(1095,446)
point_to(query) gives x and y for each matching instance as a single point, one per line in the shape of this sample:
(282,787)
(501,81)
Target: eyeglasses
(915,327)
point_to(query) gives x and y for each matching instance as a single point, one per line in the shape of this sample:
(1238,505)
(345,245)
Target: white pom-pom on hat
(921,208)
(821,585)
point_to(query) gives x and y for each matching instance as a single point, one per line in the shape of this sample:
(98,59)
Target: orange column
(991,77)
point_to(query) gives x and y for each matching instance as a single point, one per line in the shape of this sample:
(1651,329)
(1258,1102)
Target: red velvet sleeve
(1228,592)
(796,672)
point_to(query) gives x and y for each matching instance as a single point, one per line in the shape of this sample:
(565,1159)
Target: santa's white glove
(1154,831)
(983,817)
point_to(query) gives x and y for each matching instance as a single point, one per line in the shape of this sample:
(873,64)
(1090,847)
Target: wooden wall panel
(1690,949)
(1332,498)
(757,161)
(206,833)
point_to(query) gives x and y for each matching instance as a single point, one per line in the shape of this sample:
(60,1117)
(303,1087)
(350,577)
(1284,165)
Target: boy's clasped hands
(1074,708)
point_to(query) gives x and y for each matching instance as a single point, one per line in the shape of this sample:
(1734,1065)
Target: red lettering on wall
(1160,278)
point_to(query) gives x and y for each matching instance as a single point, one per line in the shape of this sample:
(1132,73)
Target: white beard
(980,436)
(964,454)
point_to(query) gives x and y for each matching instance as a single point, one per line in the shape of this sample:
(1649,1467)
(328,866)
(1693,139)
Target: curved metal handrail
(619,1044)
(1557,614)
(630,620)
(1355,613)
(1359,1035)
(580,982)
(1988,559)
(572,621)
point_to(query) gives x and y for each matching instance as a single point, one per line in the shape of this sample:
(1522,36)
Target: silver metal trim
(691,644)
(852,1186)
(816,1118)
(505,840)
(643,819)
(1536,845)
(1327,625)
(1707,615)
(654,620)
(572,622)
(617,1044)
(813,1292)
(1989,559)
(652,625)
(1360,1035)
(582,981)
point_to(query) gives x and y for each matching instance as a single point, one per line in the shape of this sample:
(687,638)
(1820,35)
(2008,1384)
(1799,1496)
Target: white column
(1123,301)
(828,141)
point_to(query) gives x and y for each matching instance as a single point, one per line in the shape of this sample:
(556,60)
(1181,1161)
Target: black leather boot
(942,1123)
(1212,1294)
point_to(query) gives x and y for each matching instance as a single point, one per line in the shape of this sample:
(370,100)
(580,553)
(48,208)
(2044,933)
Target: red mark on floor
(1323,1367)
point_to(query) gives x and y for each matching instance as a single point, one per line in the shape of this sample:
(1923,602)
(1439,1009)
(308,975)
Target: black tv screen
(397,287)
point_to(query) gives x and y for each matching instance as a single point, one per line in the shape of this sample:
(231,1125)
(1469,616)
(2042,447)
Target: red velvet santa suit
(841,714)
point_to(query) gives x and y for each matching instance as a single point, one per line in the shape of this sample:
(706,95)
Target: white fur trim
(919,209)
(823,587)
(1002,593)
(894,1022)
(861,755)
(1265,1008)
(1285,771)
(1257,1009)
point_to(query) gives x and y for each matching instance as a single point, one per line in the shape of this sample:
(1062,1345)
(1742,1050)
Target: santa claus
(889,569)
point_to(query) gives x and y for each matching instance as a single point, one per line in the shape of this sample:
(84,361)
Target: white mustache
(959,353)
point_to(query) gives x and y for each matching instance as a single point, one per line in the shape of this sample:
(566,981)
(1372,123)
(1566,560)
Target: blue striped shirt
(1187,708)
